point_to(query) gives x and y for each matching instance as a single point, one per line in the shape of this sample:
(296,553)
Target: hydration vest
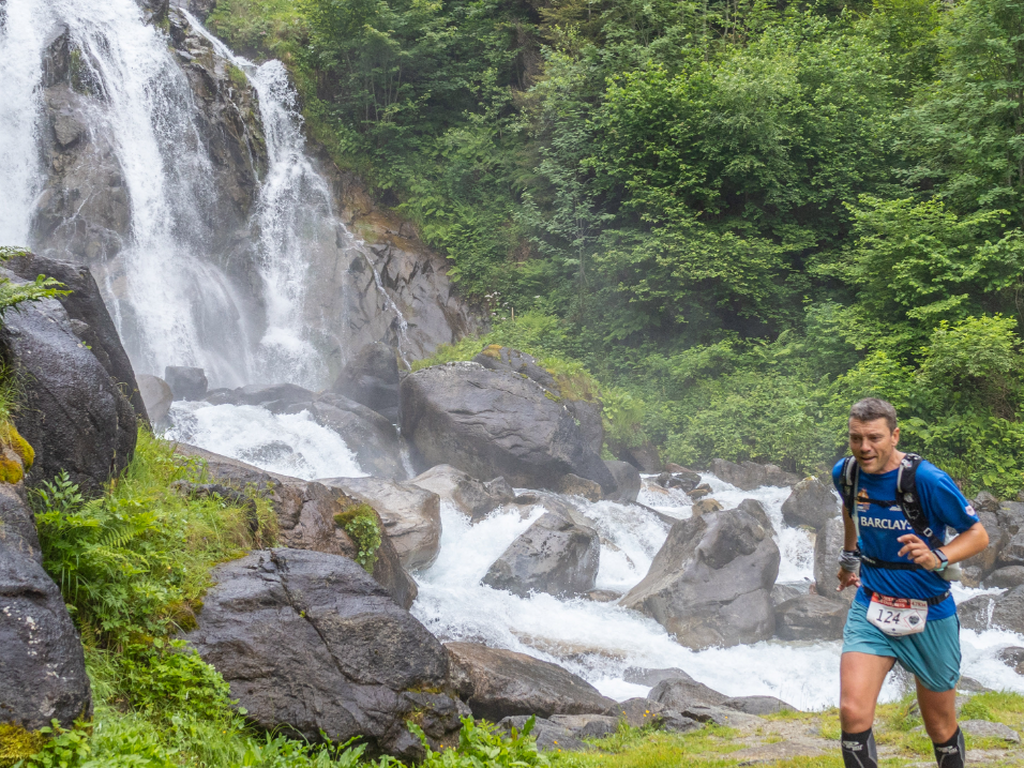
(907,499)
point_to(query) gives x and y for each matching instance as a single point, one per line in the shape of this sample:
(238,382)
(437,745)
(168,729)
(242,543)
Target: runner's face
(874,446)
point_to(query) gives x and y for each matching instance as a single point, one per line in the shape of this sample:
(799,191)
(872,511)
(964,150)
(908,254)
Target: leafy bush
(360,522)
(480,746)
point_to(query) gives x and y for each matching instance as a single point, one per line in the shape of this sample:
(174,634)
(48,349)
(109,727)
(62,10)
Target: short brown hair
(871,408)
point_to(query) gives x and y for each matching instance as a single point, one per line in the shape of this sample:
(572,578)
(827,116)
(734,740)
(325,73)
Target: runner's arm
(846,578)
(967,544)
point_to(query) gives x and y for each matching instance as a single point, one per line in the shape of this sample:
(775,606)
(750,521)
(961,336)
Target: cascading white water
(170,303)
(600,641)
(21,42)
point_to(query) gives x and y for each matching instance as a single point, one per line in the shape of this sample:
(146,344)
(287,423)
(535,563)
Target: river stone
(186,382)
(586,414)
(811,503)
(758,705)
(574,485)
(498,683)
(473,497)
(627,481)
(85,304)
(679,693)
(810,617)
(490,423)
(976,613)
(587,726)
(157,396)
(1013,657)
(750,475)
(370,377)
(369,435)
(42,665)
(310,643)
(411,516)
(69,410)
(1005,578)
(987,729)
(550,736)
(651,677)
(986,562)
(1009,611)
(559,554)
(710,584)
(827,546)
(1012,517)
(640,713)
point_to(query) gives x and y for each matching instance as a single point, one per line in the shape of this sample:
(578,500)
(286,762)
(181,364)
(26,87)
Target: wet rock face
(71,412)
(710,584)
(309,642)
(95,327)
(42,665)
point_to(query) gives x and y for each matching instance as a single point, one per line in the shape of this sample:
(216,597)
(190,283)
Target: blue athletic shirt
(880,527)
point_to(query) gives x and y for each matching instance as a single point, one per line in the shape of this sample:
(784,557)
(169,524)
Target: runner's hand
(847,579)
(918,551)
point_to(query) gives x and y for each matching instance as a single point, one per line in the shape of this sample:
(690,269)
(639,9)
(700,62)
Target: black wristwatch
(943,561)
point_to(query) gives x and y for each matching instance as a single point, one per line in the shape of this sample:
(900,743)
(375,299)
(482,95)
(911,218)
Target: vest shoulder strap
(910,501)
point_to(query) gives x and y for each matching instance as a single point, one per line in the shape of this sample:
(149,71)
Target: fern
(12,294)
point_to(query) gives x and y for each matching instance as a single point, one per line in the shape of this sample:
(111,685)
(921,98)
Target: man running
(902,610)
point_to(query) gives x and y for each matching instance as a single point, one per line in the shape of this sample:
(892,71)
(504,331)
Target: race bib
(897,616)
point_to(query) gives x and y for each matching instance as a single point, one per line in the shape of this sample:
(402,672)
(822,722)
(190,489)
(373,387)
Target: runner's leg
(861,676)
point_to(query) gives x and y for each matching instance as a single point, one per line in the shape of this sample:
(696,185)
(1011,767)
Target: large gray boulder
(749,475)
(490,423)
(411,516)
(70,410)
(94,325)
(42,665)
(559,554)
(811,503)
(473,497)
(810,617)
(497,683)
(710,583)
(310,643)
(627,481)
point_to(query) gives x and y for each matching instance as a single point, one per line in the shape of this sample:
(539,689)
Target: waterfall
(257,301)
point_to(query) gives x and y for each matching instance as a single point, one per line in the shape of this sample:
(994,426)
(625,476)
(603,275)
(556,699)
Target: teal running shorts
(933,656)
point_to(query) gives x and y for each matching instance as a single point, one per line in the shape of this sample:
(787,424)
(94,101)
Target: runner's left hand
(918,551)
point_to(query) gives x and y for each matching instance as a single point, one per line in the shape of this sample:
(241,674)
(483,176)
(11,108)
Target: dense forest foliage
(739,215)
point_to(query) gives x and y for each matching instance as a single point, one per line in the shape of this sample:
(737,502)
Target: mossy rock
(10,436)
(16,744)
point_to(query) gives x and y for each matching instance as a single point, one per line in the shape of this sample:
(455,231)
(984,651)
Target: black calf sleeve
(951,754)
(859,750)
